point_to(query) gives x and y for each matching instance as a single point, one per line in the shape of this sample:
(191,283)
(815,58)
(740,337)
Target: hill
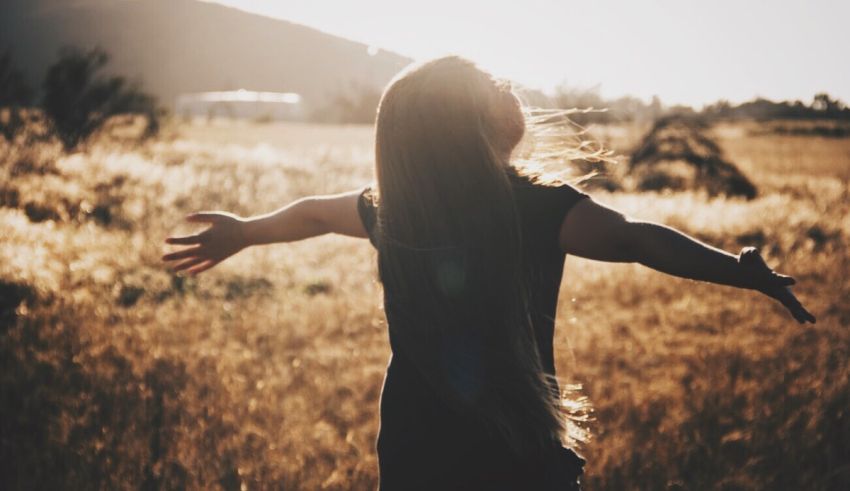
(179,46)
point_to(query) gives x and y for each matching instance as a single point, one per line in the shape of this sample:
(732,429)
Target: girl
(471,251)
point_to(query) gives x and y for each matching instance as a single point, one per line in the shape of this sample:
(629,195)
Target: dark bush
(676,155)
(79,100)
(129,295)
(13,294)
(38,212)
(15,95)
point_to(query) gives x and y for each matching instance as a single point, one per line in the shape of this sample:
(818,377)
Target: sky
(689,52)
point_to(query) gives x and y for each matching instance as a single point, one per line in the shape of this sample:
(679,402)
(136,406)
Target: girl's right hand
(760,277)
(224,238)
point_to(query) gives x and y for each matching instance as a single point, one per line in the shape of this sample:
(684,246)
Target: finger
(201,267)
(183,254)
(749,250)
(188,264)
(185,240)
(785,280)
(787,298)
(751,255)
(805,314)
(793,305)
(204,217)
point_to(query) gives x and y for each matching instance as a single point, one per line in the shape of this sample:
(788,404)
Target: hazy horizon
(684,52)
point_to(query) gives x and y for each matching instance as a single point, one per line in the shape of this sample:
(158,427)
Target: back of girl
(469,259)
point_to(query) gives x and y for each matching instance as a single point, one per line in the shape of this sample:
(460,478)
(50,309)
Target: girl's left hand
(224,238)
(760,277)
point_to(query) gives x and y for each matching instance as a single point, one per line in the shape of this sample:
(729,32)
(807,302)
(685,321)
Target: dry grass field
(265,372)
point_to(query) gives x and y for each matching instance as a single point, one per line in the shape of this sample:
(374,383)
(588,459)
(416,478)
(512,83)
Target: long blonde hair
(449,245)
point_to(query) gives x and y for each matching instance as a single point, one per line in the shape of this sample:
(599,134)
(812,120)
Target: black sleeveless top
(422,442)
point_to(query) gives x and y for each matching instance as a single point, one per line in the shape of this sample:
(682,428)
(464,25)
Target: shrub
(15,94)
(79,100)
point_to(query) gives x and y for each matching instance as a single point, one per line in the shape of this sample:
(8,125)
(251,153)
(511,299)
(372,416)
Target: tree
(823,102)
(15,95)
(79,100)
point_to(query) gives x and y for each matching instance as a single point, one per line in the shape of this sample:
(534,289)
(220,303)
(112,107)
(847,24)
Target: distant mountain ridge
(180,46)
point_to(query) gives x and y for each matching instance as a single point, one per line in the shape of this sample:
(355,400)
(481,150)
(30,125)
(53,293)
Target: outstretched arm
(228,234)
(595,231)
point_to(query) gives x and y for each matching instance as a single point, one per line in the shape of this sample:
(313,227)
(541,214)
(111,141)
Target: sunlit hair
(449,244)
(557,149)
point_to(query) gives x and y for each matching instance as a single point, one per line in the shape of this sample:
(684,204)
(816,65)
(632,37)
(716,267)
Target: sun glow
(685,52)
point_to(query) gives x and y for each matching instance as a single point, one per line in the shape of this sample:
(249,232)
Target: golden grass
(265,372)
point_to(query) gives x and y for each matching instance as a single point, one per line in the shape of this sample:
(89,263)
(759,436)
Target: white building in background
(241,103)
